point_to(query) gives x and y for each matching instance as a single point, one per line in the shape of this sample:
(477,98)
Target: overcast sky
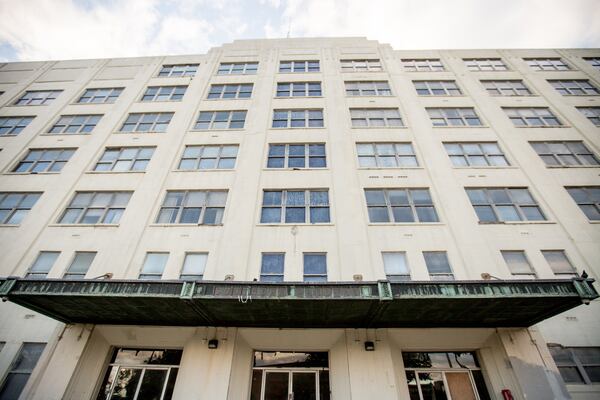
(66,29)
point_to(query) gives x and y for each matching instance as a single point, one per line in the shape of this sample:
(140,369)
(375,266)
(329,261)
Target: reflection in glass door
(444,376)
(140,374)
(290,376)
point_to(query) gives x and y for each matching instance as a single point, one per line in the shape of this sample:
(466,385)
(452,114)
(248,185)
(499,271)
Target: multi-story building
(301,219)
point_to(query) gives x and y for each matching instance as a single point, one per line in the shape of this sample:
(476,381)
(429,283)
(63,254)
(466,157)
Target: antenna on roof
(289,28)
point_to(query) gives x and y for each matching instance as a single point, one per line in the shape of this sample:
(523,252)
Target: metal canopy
(300,305)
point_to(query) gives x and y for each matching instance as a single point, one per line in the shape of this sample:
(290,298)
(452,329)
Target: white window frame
(106,95)
(232,70)
(207,204)
(231,122)
(177,70)
(368,88)
(18,124)
(361,65)
(447,88)
(230,91)
(506,88)
(423,64)
(53,165)
(485,64)
(83,123)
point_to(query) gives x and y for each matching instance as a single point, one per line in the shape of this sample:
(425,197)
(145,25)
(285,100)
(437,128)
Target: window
(208,157)
(295,206)
(243,68)
(361,65)
(315,267)
(591,113)
(298,89)
(423,64)
(396,266)
(21,369)
(547,64)
(221,120)
(15,206)
(231,91)
(400,205)
(178,70)
(299,66)
(565,153)
(588,200)
(593,61)
(437,88)
(438,265)
(12,126)
(199,207)
(122,159)
(476,154)
(297,118)
(485,64)
(147,122)
(100,95)
(504,204)
(517,263)
(139,374)
(506,88)
(577,365)
(95,208)
(368,88)
(574,87)
(164,93)
(193,266)
(42,264)
(454,117)
(38,97)
(71,124)
(560,264)
(375,117)
(154,265)
(271,267)
(386,155)
(80,265)
(297,155)
(532,116)
(44,160)
(439,375)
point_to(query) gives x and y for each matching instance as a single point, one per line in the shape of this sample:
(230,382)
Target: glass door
(290,385)
(290,376)
(276,385)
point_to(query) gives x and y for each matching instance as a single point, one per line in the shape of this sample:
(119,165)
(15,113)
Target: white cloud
(63,29)
(409,24)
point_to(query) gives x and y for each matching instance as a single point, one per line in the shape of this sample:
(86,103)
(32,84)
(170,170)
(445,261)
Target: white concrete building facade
(301,219)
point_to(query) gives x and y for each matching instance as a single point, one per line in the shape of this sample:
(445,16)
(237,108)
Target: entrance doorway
(444,376)
(290,376)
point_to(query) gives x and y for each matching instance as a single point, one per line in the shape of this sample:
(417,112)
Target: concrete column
(536,375)
(372,373)
(204,373)
(62,363)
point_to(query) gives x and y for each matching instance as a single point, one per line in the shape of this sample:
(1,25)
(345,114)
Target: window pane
(437,262)
(395,264)
(517,262)
(272,264)
(315,264)
(155,263)
(194,264)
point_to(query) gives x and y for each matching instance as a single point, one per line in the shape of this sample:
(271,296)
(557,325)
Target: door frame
(290,372)
(443,371)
